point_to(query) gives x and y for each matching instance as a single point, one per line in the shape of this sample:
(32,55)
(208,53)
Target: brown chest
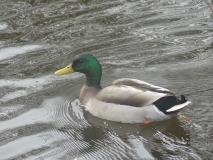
(86,93)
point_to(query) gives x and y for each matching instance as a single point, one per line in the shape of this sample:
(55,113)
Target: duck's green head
(86,64)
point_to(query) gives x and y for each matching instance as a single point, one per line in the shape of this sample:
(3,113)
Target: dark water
(167,42)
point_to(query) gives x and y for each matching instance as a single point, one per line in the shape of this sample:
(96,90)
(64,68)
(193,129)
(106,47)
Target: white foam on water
(42,114)
(13,95)
(10,52)
(3,26)
(28,86)
(28,143)
(25,83)
(23,144)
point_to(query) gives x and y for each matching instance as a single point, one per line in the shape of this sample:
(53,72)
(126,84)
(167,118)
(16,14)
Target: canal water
(168,43)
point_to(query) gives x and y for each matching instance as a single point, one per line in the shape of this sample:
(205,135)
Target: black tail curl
(182,99)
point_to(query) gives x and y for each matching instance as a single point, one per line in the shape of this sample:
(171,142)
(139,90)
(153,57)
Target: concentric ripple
(168,43)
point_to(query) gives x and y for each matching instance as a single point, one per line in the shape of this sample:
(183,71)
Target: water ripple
(167,43)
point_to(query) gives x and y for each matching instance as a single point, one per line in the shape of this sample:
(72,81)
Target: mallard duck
(124,100)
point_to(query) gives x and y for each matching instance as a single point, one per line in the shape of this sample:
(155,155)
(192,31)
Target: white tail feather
(178,107)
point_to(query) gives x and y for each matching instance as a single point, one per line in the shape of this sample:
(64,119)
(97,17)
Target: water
(167,43)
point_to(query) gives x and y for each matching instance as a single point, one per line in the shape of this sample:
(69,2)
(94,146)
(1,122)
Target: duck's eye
(79,61)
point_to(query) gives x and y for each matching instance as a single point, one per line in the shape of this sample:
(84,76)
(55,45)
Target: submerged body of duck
(124,100)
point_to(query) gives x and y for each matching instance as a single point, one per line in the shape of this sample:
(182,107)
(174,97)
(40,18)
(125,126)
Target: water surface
(166,43)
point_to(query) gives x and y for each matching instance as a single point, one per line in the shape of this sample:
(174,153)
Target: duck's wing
(132,92)
(141,85)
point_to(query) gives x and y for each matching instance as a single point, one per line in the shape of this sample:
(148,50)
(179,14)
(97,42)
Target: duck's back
(132,92)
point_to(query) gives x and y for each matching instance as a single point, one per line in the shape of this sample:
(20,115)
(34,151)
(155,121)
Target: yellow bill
(66,70)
